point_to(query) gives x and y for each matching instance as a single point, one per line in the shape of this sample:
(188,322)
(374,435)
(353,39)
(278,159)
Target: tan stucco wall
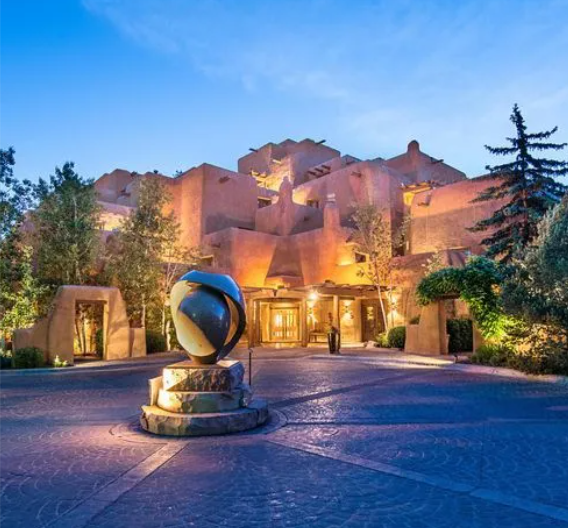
(440,218)
(55,333)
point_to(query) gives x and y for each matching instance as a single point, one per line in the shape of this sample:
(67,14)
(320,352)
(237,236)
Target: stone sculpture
(208,311)
(205,395)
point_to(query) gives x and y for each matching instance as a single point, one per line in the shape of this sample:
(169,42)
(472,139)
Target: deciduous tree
(66,229)
(372,238)
(19,289)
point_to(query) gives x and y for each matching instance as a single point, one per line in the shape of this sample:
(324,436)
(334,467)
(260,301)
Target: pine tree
(528,186)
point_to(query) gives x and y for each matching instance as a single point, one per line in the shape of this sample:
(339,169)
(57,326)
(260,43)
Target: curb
(449,365)
(95,366)
(509,373)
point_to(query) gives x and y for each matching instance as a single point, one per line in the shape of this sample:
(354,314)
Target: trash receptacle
(333,337)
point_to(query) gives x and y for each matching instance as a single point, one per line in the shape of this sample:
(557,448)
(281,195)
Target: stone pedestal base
(195,400)
(157,421)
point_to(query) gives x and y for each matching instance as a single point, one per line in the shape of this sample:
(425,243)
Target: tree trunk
(78,334)
(383,312)
(168,337)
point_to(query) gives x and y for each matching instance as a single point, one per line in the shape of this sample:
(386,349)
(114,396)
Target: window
(207,260)
(264,202)
(313,203)
(360,258)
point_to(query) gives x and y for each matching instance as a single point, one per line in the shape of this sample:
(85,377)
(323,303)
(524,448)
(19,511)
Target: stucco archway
(54,334)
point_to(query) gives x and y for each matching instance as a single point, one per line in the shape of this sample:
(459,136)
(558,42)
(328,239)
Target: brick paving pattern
(352,444)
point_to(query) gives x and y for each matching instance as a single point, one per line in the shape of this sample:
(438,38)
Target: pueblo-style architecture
(281,226)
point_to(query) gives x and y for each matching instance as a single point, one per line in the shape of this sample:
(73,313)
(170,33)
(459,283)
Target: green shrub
(99,342)
(155,342)
(495,355)
(5,359)
(58,363)
(28,357)
(174,343)
(477,283)
(396,337)
(414,320)
(382,340)
(461,335)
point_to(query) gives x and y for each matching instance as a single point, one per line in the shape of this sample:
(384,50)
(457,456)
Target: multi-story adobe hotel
(281,226)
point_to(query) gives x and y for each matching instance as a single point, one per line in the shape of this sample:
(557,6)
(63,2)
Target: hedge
(28,357)
(155,342)
(396,337)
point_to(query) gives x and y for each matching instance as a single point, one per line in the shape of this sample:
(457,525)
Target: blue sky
(168,84)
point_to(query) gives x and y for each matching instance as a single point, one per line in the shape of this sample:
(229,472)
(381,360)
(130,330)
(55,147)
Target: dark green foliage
(20,291)
(495,355)
(477,283)
(99,342)
(155,342)
(537,287)
(396,337)
(461,335)
(5,359)
(538,352)
(382,340)
(174,343)
(528,186)
(28,357)
(67,228)
(15,196)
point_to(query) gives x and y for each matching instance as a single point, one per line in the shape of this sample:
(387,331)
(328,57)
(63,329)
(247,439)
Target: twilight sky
(168,84)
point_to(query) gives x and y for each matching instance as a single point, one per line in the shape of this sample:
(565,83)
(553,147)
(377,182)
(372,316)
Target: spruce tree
(528,186)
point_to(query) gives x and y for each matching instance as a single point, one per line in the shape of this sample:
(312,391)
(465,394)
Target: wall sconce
(313,296)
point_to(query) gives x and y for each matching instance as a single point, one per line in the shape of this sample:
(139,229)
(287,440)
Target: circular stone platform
(191,399)
(158,421)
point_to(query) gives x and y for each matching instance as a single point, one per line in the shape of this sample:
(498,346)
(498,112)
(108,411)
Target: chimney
(330,213)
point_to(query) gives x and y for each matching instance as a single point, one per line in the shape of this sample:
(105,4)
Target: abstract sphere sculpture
(208,310)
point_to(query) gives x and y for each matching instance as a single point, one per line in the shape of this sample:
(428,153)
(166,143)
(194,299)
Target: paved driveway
(352,443)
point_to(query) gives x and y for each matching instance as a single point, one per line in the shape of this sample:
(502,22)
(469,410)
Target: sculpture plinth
(206,395)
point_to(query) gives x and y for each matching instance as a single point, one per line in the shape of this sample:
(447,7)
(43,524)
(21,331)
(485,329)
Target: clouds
(444,72)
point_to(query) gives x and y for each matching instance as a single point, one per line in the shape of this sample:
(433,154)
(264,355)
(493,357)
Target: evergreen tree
(66,229)
(528,186)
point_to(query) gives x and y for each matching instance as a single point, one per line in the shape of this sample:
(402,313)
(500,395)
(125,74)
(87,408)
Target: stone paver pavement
(350,443)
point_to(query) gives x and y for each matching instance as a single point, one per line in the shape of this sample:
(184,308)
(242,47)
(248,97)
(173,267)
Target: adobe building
(281,226)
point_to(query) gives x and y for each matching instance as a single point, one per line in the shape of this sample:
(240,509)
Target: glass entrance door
(280,321)
(284,324)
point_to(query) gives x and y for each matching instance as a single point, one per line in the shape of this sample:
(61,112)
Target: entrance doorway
(280,322)
(372,319)
(89,329)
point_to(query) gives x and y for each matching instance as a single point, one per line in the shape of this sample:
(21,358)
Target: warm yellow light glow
(313,296)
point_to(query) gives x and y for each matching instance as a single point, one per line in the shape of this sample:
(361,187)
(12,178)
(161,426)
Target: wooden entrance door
(284,324)
(371,318)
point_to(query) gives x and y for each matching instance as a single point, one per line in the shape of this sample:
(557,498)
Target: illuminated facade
(281,226)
